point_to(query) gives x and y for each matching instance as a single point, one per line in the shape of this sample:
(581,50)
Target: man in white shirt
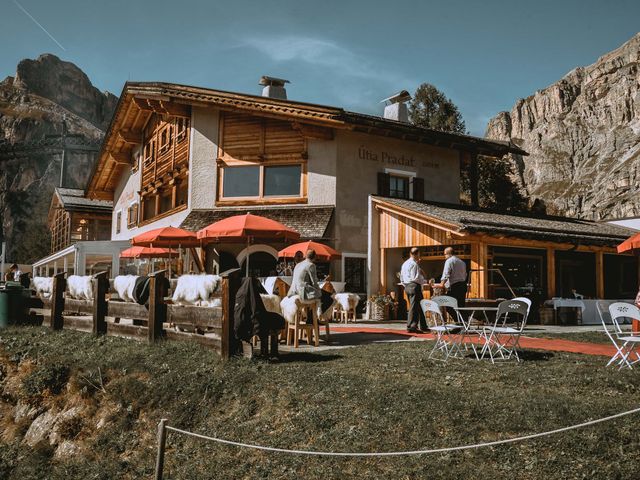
(412,277)
(454,276)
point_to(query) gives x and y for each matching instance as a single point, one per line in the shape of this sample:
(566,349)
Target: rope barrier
(404,453)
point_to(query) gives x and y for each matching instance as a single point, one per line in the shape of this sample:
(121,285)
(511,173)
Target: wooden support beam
(157,307)
(131,137)
(599,275)
(121,158)
(551,272)
(57,301)
(483,261)
(100,290)
(383,270)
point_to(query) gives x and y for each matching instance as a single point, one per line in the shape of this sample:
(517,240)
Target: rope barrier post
(162,440)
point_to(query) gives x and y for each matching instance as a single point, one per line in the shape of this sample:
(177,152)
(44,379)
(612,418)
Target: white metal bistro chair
(446,301)
(441,329)
(626,343)
(502,342)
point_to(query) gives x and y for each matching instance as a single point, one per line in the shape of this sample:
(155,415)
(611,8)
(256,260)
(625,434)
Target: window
(182,192)
(118,221)
(148,207)
(398,187)
(165,138)
(241,182)
(182,124)
(132,215)
(261,181)
(149,152)
(165,201)
(282,181)
(354,272)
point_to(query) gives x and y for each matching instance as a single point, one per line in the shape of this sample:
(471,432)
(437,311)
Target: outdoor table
(467,330)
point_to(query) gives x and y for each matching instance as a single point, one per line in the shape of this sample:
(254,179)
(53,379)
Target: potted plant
(379,305)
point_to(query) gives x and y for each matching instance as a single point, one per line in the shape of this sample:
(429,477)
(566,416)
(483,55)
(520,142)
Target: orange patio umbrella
(630,244)
(245,228)
(166,237)
(147,252)
(323,252)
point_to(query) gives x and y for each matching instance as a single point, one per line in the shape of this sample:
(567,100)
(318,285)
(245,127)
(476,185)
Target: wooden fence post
(162,440)
(157,307)
(57,301)
(230,285)
(100,287)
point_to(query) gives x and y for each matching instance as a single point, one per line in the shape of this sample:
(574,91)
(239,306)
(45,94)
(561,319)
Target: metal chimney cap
(401,96)
(273,81)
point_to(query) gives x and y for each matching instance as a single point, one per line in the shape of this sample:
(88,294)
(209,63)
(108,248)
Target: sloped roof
(310,222)
(139,97)
(546,228)
(74,199)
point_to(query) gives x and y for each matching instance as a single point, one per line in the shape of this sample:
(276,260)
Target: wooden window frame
(132,215)
(262,199)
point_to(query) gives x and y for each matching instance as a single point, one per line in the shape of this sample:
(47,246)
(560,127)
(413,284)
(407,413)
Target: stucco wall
(321,167)
(362,156)
(204,151)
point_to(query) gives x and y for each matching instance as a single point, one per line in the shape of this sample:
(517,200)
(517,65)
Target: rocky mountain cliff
(34,103)
(583,137)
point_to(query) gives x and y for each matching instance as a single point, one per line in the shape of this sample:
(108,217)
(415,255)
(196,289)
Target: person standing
(412,277)
(454,277)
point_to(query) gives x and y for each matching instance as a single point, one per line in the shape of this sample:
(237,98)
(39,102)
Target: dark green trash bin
(12,304)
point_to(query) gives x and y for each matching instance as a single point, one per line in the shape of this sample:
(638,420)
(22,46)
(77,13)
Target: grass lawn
(382,397)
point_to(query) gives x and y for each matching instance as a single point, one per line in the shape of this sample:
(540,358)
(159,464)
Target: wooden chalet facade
(541,257)
(181,156)
(74,218)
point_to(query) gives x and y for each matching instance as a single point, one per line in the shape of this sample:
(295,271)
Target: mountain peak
(67,85)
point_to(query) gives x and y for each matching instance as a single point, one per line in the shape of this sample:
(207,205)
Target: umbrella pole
(248,255)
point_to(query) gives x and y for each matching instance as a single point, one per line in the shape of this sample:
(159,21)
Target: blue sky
(483,55)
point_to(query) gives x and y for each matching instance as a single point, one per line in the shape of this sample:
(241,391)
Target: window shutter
(418,189)
(384,184)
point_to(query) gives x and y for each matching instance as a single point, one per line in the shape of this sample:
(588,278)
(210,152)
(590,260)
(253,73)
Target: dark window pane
(355,274)
(241,182)
(282,181)
(399,187)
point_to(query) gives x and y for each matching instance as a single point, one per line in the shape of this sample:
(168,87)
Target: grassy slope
(378,397)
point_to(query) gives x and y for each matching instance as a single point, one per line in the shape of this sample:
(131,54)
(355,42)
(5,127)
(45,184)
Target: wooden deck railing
(208,326)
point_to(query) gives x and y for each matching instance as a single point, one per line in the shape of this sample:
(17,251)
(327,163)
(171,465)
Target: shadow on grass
(525,356)
(307,357)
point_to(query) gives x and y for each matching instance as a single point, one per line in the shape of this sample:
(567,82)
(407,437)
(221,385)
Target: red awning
(241,228)
(323,252)
(147,252)
(166,237)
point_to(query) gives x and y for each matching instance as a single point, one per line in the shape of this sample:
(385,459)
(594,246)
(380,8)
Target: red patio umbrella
(147,252)
(630,244)
(323,252)
(245,228)
(166,237)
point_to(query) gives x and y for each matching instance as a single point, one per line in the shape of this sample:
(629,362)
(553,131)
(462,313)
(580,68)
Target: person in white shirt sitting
(412,277)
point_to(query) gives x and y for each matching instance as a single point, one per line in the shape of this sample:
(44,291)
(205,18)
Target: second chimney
(396,107)
(274,87)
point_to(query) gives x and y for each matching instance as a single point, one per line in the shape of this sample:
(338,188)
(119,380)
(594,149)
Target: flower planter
(378,311)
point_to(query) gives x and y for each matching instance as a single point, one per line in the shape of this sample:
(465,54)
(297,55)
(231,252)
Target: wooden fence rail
(209,326)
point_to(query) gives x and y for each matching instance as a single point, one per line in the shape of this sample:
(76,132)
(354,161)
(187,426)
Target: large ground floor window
(262,182)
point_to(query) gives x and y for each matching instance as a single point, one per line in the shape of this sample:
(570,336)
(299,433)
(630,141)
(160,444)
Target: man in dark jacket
(251,318)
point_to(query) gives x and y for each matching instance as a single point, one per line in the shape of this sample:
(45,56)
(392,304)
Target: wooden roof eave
(451,228)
